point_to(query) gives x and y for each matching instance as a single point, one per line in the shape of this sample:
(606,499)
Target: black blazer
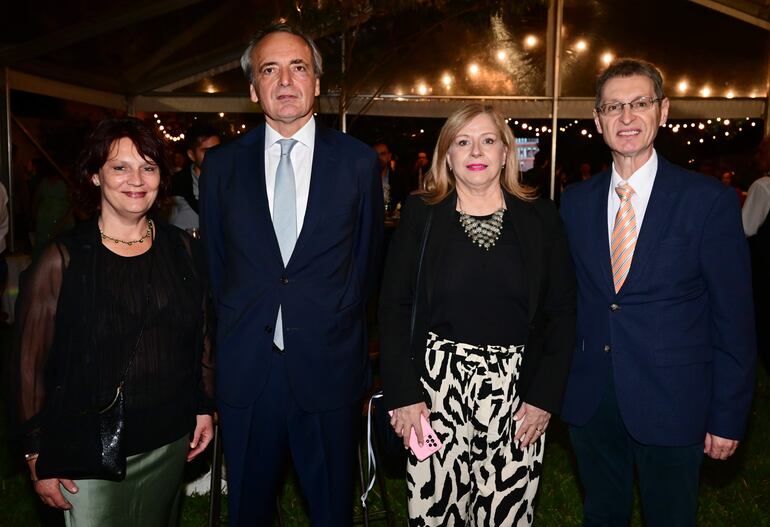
(551,280)
(181,185)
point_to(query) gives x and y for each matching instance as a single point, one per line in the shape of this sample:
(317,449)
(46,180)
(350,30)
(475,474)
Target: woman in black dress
(477,315)
(120,297)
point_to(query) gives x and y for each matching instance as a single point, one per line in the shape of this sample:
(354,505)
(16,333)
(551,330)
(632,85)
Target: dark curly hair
(97,149)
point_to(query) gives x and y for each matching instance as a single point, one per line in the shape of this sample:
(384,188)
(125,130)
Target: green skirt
(148,497)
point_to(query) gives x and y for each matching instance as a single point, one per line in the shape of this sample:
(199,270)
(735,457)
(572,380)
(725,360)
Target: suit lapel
(655,218)
(250,165)
(596,208)
(530,238)
(437,240)
(324,162)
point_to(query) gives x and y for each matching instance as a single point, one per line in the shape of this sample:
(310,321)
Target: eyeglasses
(640,105)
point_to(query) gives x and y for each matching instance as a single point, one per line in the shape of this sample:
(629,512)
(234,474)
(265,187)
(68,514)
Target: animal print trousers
(480,477)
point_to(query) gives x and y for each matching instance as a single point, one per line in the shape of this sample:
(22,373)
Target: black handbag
(88,444)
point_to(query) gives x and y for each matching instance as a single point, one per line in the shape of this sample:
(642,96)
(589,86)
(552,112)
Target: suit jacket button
(614,307)
(607,348)
(268,329)
(284,280)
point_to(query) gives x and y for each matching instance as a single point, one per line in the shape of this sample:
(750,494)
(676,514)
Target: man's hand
(408,417)
(717,447)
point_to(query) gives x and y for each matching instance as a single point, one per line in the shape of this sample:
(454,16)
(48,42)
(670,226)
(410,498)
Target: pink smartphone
(431,443)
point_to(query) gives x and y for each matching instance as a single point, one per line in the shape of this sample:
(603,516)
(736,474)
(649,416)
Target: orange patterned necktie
(623,237)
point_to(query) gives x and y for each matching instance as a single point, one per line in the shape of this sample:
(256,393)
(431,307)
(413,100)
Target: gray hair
(628,68)
(246,65)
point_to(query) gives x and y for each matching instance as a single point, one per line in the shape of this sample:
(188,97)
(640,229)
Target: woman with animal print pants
(477,317)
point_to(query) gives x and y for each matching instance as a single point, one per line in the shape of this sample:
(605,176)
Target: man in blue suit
(663,370)
(292,219)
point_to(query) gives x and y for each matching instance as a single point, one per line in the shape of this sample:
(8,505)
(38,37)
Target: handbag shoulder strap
(423,243)
(145,316)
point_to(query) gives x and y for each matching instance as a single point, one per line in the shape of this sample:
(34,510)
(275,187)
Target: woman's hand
(202,436)
(532,424)
(49,490)
(408,417)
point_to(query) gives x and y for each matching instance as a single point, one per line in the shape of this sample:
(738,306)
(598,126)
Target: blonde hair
(439,182)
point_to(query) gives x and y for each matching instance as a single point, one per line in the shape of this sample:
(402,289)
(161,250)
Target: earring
(96,183)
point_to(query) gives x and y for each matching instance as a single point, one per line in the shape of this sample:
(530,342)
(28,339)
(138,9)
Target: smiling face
(477,154)
(630,135)
(284,82)
(128,182)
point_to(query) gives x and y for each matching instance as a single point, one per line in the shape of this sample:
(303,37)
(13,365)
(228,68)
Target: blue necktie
(284,216)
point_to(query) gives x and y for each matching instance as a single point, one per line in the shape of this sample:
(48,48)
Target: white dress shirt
(302,164)
(757,206)
(182,214)
(641,181)
(301,161)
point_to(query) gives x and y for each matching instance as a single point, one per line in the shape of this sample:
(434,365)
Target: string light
(530,41)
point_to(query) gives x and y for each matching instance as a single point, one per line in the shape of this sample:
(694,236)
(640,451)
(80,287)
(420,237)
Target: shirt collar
(641,180)
(305,135)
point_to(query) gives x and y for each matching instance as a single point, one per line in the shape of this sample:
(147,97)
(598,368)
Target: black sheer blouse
(79,316)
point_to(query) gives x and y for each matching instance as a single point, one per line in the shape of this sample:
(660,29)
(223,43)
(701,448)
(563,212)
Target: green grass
(734,493)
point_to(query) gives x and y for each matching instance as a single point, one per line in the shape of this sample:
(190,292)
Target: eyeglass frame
(602,109)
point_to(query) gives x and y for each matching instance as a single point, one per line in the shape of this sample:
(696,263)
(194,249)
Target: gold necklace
(129,242)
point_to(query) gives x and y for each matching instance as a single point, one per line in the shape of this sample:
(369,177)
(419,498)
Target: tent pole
(6,151)
(559,14)
(767,101)
(343,91)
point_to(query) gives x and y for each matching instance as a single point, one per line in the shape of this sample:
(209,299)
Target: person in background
(121,296)
(664,363)
(52,207)
(393,185)
(728,180)
(485,360)
(756,227)
(292,220)
(185,184)
(539,176)
(421,167)
(585,172)
(178,161)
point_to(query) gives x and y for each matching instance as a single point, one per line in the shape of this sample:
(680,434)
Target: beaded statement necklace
(483,232)
(129,242)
